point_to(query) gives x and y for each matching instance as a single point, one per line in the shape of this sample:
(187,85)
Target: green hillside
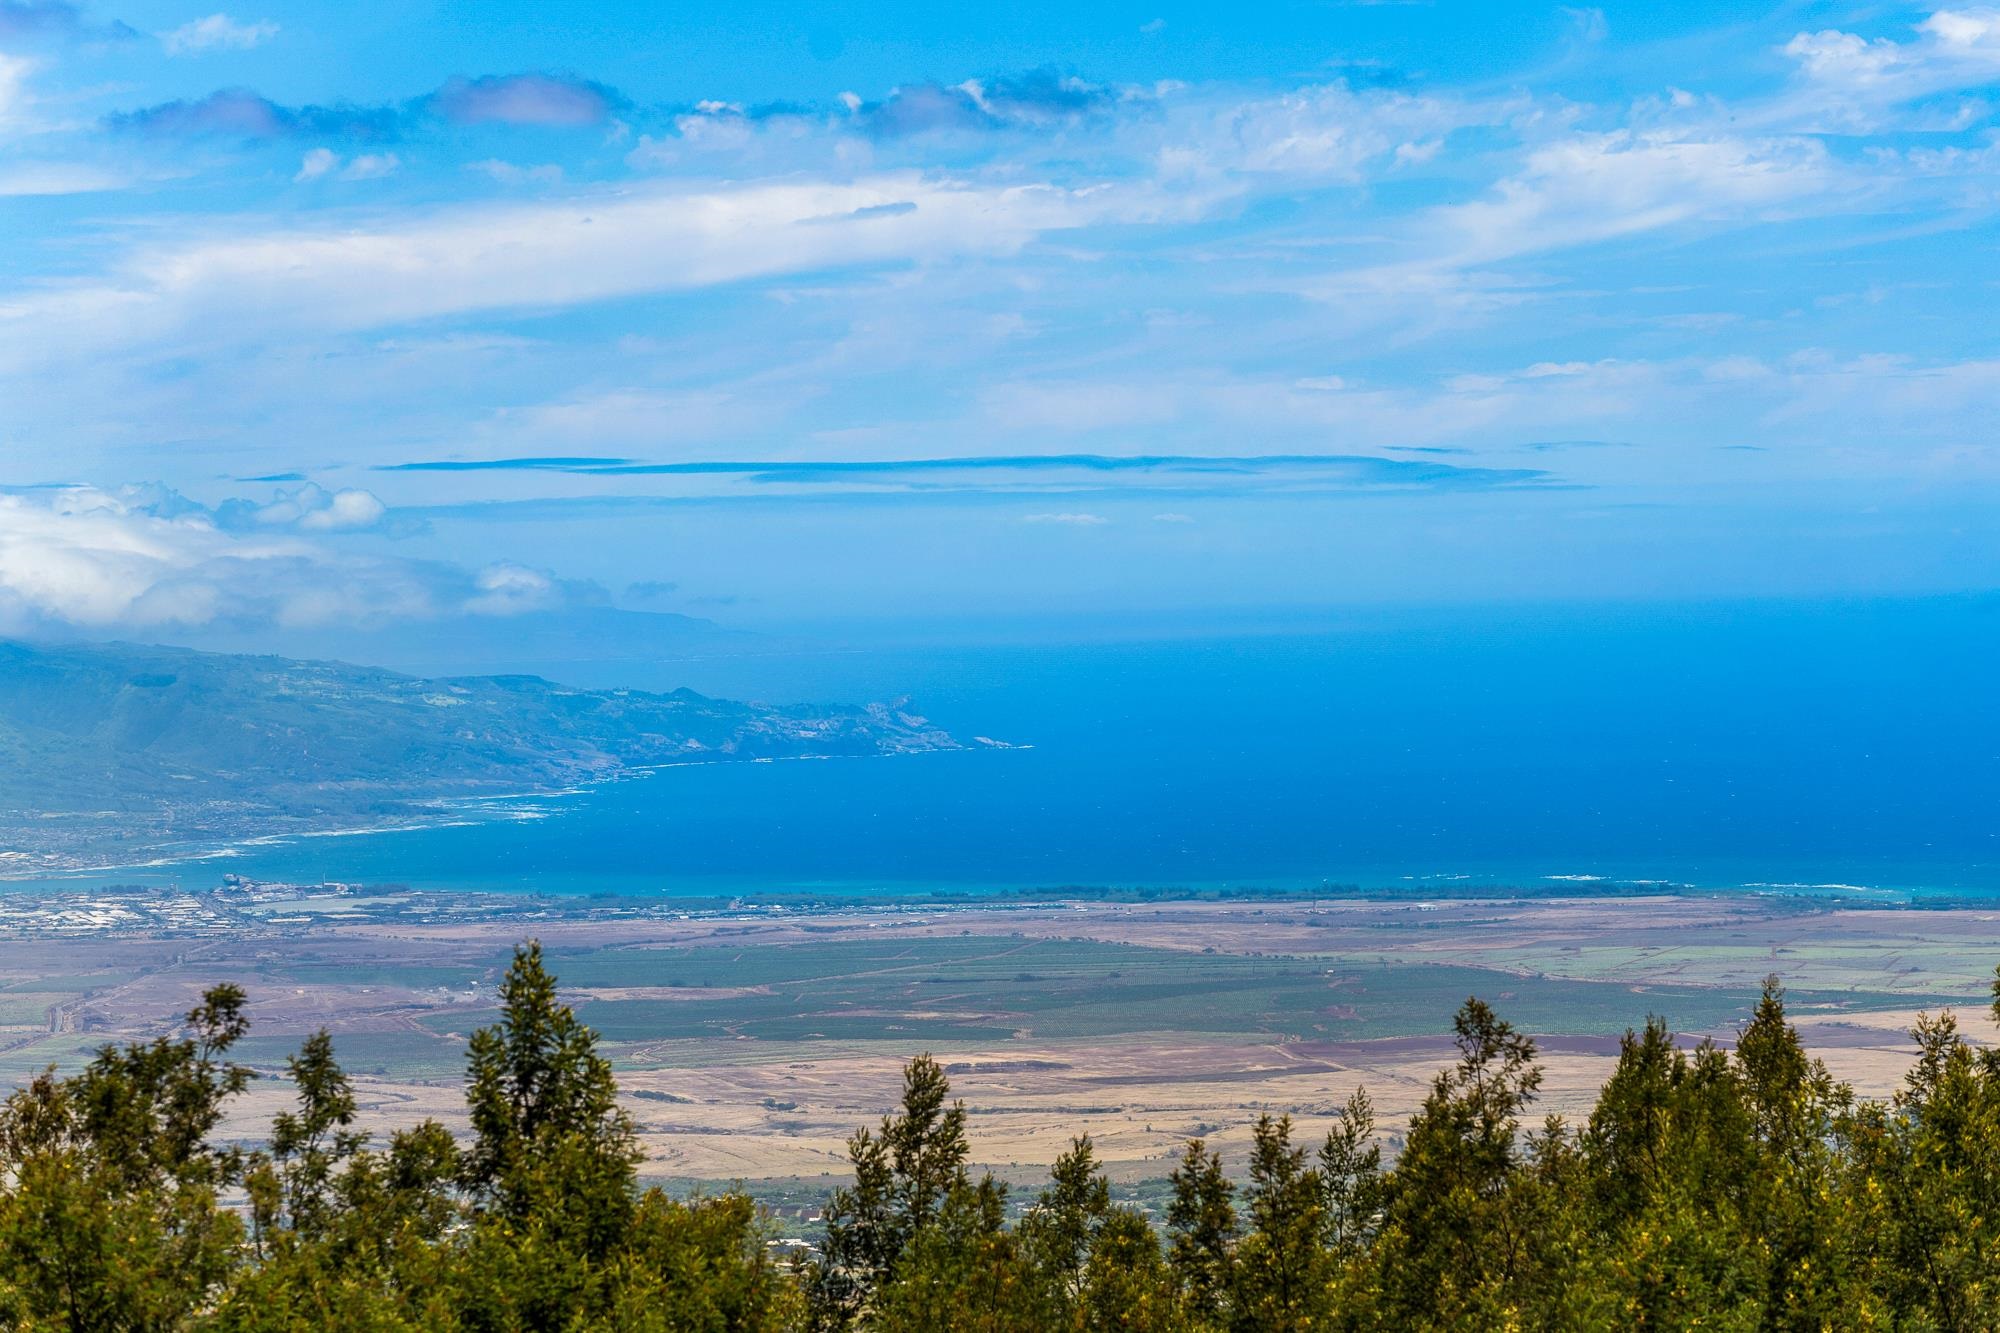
(110,746)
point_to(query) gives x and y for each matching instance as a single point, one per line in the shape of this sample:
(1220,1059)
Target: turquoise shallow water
(1849,745)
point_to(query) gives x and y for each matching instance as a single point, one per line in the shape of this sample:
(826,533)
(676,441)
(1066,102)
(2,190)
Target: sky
(318,316)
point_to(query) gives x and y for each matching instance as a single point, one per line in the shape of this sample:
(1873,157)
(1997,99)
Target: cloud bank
(146,558)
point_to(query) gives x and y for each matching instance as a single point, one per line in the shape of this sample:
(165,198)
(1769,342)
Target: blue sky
(316,314)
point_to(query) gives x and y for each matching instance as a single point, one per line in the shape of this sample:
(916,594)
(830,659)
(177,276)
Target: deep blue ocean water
(1832,744)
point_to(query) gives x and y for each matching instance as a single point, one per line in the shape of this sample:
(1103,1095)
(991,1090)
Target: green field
(987,989)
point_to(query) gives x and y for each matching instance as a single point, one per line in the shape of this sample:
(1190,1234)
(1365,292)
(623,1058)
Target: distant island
(111,753)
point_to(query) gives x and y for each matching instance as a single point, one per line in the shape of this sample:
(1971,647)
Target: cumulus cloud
(370,166)
(145,557)
(319,163)
(508,589)
(310,508)
(1851,82)
(217,32)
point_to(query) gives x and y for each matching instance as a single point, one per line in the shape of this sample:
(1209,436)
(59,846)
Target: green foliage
(1202,1224)
(553,1153)
(1283,1269)
(110,1217)
(1724,1189)
(905,1177)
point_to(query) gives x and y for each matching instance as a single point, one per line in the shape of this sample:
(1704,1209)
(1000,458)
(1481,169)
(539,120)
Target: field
(751,1044)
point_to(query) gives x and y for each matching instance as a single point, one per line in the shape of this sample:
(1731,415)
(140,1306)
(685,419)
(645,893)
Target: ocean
(1854,746)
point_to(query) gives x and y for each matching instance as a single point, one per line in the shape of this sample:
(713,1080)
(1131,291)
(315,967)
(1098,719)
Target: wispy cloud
(518,100)
(1068,519)
(991,473)
(1037,99)
(526,99)
(1851,83)
(582,250)
(30,19)
(217,32)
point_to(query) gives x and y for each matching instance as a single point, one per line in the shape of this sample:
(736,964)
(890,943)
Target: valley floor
(751,1043)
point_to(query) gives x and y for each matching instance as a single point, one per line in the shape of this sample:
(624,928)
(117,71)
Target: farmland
(751,1042)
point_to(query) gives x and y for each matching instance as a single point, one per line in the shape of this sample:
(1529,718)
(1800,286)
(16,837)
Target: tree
(110,1218)
(902,1176)
(1447,1230)
(1284,1274)
(1350,1173)
(1793,1205)
(1201,1225)
(292,1188)
(1127,1285)
(552,1149)
(1059,1233)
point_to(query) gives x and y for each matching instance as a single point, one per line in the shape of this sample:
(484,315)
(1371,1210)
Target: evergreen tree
(1127,1285)
(292,1188)
(1447,1229)
(1059,1233)
(1284,1273)
(1350,1173)
(1201,1226)
(903,1174)
(552,1148)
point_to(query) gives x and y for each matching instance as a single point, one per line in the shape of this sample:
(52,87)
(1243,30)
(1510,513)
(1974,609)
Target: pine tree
(1201,1224)
(902,1176)
(1284,1273)
(1058,1234)
(552,1149)
(1447,1229)
(1350,1173)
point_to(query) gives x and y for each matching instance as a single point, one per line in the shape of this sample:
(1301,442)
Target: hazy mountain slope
(119,745)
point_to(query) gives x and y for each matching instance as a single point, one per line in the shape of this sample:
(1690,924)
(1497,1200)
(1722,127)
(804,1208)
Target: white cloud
(507,589)
(310,508)
(96,558)
(1588,188)
(31,179)
(1852,82)
(316,163)
(1328,132)
(1580,190)
(509,173)
(1072,520)
(143,557)
(465,259)
(321,162)
(217,32)
(370,166)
